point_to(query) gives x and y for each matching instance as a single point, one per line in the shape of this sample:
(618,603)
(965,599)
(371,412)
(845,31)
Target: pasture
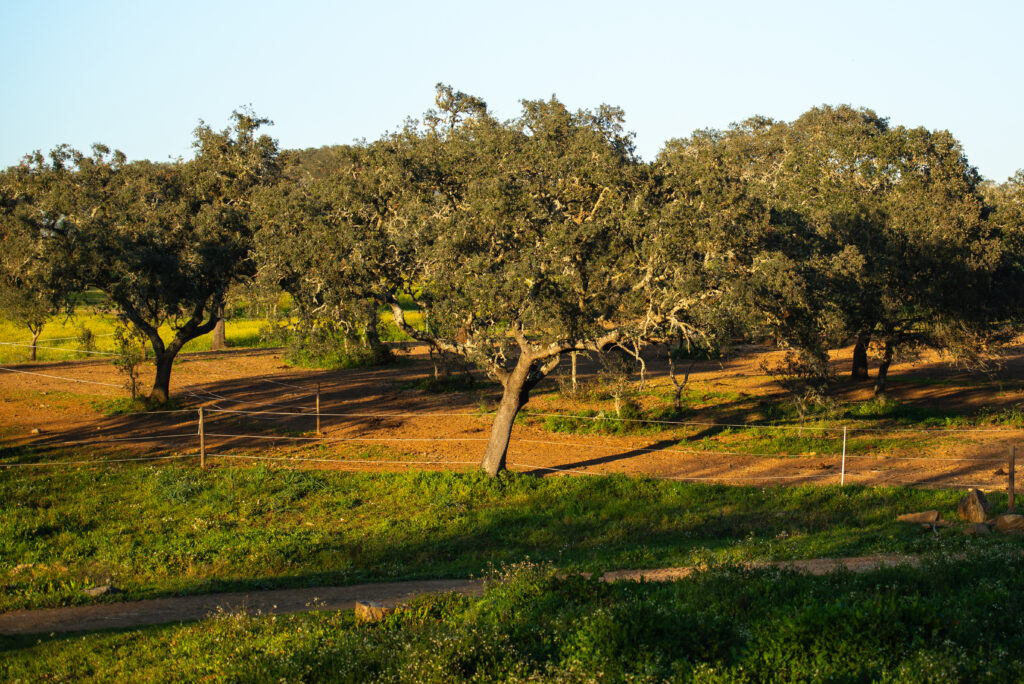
(108,494)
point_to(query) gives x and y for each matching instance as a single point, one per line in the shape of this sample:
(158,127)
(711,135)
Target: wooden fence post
(1009,476)
(318,433)
(842,472)
(202,441)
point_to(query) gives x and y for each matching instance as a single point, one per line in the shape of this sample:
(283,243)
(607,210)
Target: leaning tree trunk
(218,341)
(517,392)
(883,369)
(860,357)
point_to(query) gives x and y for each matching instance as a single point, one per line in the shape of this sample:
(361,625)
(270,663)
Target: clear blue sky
(139,75)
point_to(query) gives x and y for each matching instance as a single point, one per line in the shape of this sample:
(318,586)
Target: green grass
(950,620)
(775,427)
(238,333)
(387,329)
(631,420)
(816,437)
(896,412)
(123,406)
(174,529)
(453,382)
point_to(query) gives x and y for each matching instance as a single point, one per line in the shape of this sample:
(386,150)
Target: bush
(324,345)
(455,382)
(630,420)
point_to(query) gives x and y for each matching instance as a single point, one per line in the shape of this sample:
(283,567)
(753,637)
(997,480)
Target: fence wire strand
(203,394)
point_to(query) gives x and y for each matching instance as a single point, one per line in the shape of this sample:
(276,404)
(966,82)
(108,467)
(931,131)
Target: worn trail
(280,601)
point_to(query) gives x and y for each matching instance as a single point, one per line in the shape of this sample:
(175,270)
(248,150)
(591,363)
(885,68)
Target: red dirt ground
(373,419)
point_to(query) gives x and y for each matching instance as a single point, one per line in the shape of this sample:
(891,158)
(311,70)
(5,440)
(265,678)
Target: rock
(974,507)
(101,590)
(978,529)
(34,431)
(370,611)
(1011,522)
(922,518)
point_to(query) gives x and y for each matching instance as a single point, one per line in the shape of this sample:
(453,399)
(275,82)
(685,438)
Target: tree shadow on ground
(612,458)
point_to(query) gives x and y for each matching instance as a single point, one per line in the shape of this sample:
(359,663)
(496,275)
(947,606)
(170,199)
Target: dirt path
(281,601)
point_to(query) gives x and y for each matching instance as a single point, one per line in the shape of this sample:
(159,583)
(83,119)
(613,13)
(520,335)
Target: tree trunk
(218,342)
(677,398)
(515,396)
(32,350)
(883,369)
(379,350)
(860,356)
(433,360)
(162,383)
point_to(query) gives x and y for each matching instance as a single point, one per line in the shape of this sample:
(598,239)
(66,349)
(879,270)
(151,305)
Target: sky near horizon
(138,76)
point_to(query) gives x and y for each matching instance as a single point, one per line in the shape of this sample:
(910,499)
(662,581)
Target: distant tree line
(524,240)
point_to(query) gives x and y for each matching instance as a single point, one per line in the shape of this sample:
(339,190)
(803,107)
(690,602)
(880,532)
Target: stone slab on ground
(371,611)
(922,518)
(1011,522)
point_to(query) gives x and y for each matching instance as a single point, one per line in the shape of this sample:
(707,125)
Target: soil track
(375,419)
(279,601)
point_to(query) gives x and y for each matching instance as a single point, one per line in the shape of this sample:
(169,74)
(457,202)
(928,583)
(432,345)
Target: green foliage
(630,420)
(86,342)
(950,620)
(325,345)
(163,241)
(450,382)
(130,353)
(125,406)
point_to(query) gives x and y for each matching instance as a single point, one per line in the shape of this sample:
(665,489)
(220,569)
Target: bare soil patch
(373,419)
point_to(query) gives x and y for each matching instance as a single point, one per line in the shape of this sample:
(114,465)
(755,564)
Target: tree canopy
(163,241)
(518,241)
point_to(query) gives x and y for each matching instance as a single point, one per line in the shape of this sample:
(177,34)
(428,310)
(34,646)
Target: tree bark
(165,354)
(677,398)
(883,369)
(523,378)
(379,350)
(32,350)
(218,342)
(161,391)
(860,356)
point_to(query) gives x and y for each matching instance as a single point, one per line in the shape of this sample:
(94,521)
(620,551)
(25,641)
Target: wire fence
(63,349)
(519,447)
(235,445)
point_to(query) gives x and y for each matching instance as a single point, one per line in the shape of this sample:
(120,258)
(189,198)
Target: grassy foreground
(172,529)
(950,620)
